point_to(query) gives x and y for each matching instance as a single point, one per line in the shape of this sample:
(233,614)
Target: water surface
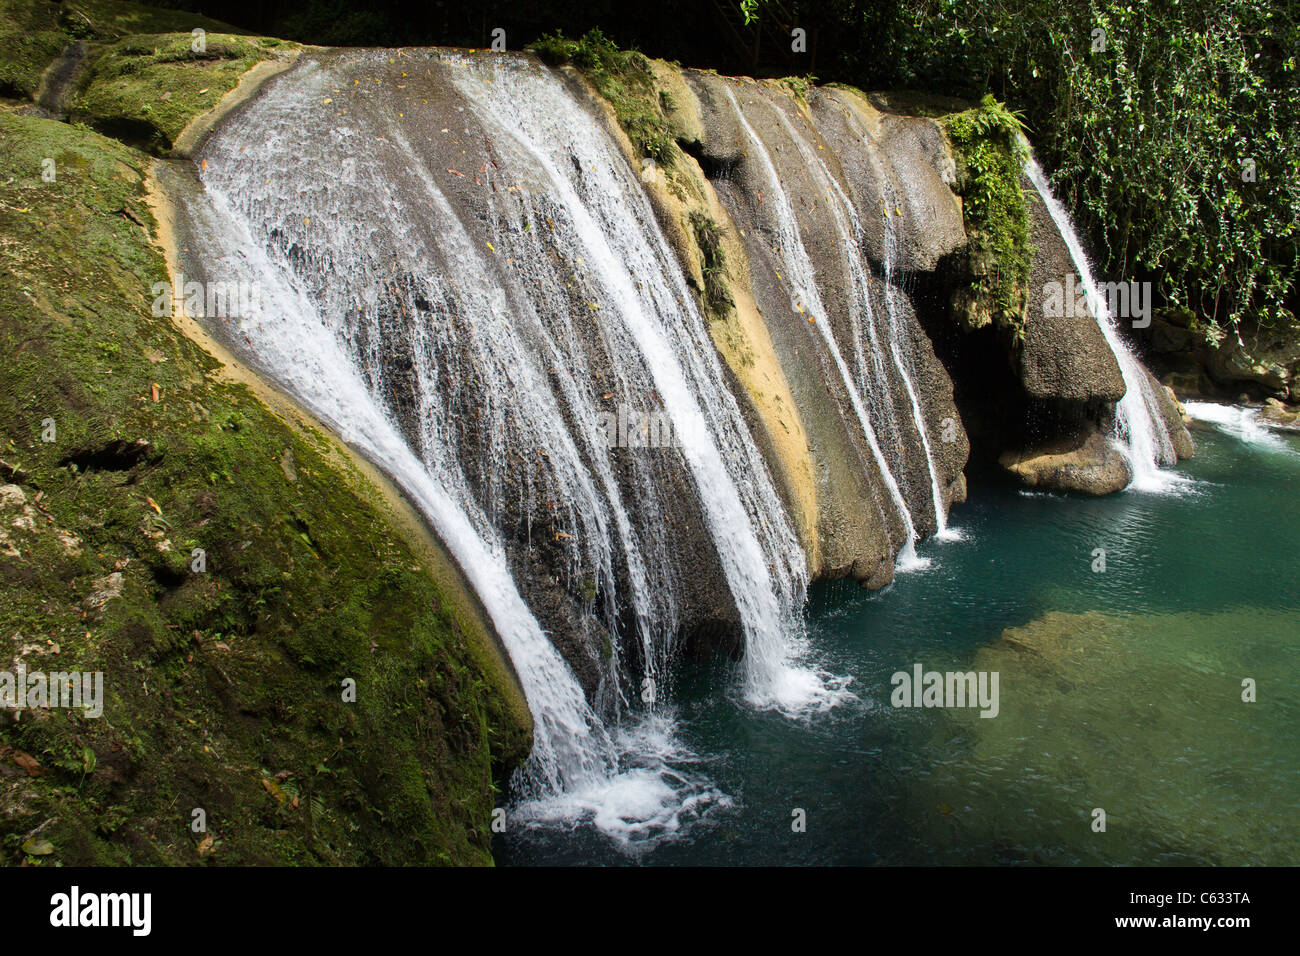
(1119,689)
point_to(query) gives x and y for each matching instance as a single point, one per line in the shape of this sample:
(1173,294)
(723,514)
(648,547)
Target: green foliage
(989,144)
(994,119)
(1146,110)
(626,80)
(708,237)
(799,85)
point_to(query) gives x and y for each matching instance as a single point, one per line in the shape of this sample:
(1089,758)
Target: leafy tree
(1173,126)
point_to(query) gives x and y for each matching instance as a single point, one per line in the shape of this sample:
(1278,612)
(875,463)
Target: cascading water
(893,305)
(806,299)
(571,749)
(631,259)
(861,312)
(464,338)
(1244,423)
(1140,429)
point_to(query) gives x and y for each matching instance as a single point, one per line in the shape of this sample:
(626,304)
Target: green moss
(708,239)
(32,36)
(626,80)
(799,86)
(223,688)
(145,89)
(987,143)
(34,32)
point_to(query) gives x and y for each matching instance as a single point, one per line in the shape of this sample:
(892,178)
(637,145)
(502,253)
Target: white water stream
(1141,431)
(368,266)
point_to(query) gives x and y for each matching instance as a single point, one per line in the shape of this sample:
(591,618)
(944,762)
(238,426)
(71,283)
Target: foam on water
(659,791)
(1240,422)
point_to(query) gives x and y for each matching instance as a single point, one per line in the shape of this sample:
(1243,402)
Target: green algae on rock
(224,687)
(986,144)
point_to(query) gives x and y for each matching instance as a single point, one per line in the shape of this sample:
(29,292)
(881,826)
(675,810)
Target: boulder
(1064,357)
(1087,464)
(1279,413)
(1173,416)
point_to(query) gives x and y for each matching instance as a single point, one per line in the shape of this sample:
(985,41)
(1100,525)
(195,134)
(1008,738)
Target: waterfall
(1140,428)
(860,307)
(806,299)
(571,748)
(459,273)
(614,223)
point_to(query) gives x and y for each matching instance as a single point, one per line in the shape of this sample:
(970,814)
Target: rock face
(1065,359)
(1262,363)
(888,152)
(1171,414)
(1051,416)
(839,206)
(1068,376)
(527,297)
(1087,464)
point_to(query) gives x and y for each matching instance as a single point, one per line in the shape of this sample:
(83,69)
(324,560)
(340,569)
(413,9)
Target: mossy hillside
(223,688)
(32,36)
(145,89)
(34,32)
(987,144)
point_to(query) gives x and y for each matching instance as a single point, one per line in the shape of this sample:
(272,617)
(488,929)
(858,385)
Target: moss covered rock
(145,89)
(230,575)
(33,33)
(987,148)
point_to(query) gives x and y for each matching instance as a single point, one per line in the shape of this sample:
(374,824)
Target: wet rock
(902,156)
(1065,357)
(870,155)
(1087,464)
(1279,413)
(1230,364)
(1173,416)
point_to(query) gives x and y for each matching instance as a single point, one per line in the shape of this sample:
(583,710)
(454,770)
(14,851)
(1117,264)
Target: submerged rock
(1146,716)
